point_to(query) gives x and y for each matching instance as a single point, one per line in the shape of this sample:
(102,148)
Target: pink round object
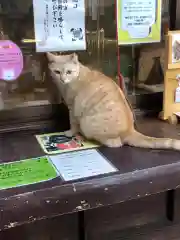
(11,61)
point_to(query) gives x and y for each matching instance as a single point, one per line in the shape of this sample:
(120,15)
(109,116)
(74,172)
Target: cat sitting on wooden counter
(97,106)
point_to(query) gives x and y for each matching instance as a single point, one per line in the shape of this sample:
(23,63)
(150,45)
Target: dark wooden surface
(142,172)
(59,228)
(140,219)
(127,220)
(152,231)
(177,205)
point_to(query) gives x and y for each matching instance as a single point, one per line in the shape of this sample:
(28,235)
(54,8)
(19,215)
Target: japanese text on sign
(137,14)
(138,21)
(64,25)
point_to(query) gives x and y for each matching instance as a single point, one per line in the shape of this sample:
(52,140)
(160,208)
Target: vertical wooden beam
(172,14)
(170,199)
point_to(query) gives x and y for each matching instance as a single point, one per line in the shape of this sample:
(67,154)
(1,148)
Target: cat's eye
(57,72)
(69,72)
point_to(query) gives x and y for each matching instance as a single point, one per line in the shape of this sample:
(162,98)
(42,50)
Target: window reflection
(33,87)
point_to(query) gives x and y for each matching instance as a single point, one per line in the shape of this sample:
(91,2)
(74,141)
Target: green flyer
(138,21)
(25,172)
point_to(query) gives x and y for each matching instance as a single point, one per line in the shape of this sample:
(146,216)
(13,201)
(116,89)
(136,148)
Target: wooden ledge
(142,172)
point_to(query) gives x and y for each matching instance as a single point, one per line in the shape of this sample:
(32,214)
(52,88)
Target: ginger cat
(98,108)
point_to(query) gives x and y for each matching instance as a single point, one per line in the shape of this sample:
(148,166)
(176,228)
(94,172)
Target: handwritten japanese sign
(59,25)
(138,21)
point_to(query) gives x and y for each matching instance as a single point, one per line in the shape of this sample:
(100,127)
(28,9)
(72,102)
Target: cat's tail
(137,139)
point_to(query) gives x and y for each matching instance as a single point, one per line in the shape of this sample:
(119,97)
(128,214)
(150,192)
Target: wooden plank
(158,231)
(177,205)
(120,218)
(64,227)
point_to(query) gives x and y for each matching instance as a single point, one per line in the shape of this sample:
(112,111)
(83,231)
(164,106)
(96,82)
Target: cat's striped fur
(97,106)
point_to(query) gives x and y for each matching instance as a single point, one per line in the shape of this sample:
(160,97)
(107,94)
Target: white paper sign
(59,25)
(138,16)
(81,164)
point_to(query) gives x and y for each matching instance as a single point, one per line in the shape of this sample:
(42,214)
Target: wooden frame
(170,64)
(34,118)
(171,71)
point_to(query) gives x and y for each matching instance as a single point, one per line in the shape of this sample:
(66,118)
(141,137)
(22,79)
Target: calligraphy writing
(46,23)
(75,3)
(59,25)
(138,13)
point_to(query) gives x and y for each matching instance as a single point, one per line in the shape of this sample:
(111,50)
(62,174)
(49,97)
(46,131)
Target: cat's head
(63,68)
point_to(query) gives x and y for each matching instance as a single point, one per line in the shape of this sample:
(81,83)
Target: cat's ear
(51,57)
(74,58)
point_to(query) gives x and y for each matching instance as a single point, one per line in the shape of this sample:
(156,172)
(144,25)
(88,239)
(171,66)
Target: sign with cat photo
(171,95)
(59,25)
(54,143)
(173,50)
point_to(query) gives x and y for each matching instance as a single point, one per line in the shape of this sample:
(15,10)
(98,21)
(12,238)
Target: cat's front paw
(68,133)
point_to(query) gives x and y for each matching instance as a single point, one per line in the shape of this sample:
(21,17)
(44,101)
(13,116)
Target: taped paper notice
(138,21)
(59,25)
(81,164)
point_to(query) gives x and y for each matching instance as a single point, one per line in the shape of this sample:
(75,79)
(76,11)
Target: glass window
(33,87)
(17,24)
(146,65)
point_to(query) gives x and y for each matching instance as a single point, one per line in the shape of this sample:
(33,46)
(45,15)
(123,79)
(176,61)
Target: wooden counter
(142,172)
